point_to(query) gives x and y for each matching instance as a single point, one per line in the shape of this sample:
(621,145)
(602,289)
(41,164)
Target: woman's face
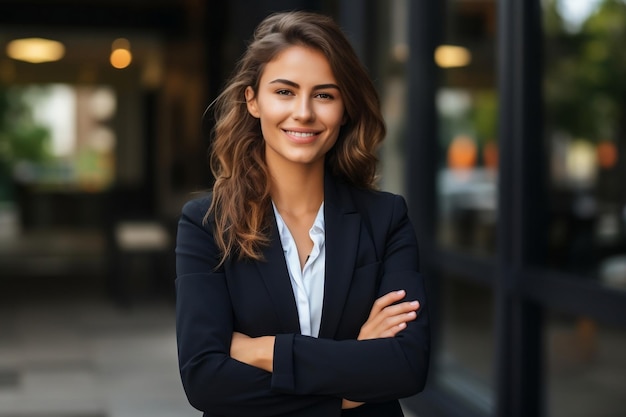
(299,105)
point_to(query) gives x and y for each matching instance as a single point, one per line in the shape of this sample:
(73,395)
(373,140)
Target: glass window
(586,368)
(585,113)
(392,69)
(58,136)
(464,361)
(466,104)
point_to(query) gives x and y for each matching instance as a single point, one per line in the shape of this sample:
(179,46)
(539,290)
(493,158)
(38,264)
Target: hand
(345,404)
(387,319)
(254,351)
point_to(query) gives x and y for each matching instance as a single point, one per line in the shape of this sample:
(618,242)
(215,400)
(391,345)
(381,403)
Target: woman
(298,292)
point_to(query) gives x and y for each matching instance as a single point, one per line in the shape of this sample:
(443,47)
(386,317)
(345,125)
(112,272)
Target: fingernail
(415,303)
(400,292)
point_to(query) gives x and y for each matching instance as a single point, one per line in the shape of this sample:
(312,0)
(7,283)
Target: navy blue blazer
(371,250)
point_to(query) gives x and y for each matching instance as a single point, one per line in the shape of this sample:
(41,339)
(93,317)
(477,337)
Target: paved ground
(88,358)
(75,355)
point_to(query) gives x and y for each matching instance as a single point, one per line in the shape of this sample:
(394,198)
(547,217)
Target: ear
(344,119)
(251,103)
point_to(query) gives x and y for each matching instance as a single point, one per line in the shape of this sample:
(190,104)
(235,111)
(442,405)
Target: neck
(298,191)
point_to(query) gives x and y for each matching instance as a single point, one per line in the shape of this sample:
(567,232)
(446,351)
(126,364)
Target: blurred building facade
(506,133)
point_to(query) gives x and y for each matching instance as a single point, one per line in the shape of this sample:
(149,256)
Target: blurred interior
(102,142)
(97,154)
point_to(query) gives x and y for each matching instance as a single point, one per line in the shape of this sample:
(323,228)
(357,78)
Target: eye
(325,96)
(284,92)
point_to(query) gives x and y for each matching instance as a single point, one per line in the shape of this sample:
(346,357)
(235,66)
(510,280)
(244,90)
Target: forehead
(300,64)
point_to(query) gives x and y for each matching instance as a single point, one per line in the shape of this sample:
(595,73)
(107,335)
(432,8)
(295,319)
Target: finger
(392,311)
(401,308)
(388,326)
(387,300)
(393,331)
(377,318)
(396,324)
(394,321)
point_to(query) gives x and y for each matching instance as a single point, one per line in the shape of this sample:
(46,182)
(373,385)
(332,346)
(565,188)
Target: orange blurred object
(607,154)
(462,153)
(490,155)
(121,58)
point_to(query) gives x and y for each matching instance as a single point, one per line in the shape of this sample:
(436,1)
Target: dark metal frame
(522,290)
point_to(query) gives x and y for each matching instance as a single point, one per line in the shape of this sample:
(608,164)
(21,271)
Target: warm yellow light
(121,58)
(581,162)
(120,55)
(120,43)
(449,56)
(35,50)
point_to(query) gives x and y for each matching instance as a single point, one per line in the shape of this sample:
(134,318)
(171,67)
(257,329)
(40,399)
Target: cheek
(274,110)
(334,117)
(265,131)
(334,138)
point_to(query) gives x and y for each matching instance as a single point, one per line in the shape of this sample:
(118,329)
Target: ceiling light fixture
(449,56)
(35,50)
(121,57)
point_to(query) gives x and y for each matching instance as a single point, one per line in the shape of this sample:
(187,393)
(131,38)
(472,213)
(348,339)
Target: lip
(302,136)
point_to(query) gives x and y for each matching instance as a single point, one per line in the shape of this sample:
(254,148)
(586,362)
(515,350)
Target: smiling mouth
(301,134)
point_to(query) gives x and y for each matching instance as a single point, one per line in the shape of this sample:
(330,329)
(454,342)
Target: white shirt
(307,283)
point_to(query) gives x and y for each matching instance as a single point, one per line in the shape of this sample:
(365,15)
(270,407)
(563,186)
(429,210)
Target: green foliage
(585,84)
(485,116)
(21,138)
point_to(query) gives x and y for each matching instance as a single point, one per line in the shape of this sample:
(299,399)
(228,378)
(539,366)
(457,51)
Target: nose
(303,109)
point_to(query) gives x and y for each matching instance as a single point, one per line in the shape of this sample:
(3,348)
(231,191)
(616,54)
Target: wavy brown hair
(241,204)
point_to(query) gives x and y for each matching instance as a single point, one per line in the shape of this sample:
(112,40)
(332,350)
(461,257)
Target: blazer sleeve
(370,370)
(213,381)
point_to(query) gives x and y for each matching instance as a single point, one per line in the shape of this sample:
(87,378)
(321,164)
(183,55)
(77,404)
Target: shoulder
(380,210)
(377,203)
(196,248)
(197,208)
(374,196)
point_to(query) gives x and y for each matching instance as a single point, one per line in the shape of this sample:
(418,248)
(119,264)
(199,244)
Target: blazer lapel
(276,277)
(342,226)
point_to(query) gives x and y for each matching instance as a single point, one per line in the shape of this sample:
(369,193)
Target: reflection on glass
(54,138)
(465,359)
(586,368)
(467,103)
(59,136)
(585,103)
(393,94)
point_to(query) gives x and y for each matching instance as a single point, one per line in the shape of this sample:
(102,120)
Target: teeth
(300,134)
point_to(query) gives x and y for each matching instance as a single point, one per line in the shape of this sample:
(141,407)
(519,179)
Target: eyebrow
(296,85)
